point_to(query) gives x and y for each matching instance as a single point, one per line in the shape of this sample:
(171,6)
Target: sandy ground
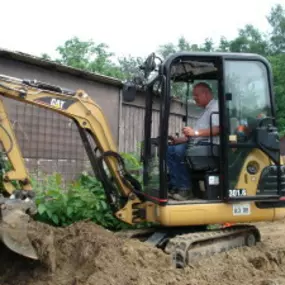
(85,254)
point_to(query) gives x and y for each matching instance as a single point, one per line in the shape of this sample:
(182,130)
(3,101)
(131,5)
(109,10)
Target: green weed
(84,199)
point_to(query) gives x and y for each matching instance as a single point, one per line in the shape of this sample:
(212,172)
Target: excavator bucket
(14,226)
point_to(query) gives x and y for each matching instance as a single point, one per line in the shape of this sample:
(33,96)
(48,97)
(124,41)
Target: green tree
(87,55)
(276,19)
(76,53)
(208,45)
(278,67)
(129,66)
(224,45)
(251,40)
(184,45)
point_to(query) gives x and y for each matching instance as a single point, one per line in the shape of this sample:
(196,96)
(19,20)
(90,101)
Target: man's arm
(189,132)
(207,132)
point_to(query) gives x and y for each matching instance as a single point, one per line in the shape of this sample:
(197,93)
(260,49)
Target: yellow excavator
(239,181)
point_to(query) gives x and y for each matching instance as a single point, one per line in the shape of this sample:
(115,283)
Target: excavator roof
(202,65)
(202,54)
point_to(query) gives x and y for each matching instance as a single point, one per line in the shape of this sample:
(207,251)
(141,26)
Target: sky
(128,27)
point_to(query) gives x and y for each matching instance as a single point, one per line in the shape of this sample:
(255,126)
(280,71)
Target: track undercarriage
(187,248)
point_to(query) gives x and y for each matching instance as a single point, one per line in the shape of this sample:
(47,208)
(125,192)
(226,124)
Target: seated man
(179,175)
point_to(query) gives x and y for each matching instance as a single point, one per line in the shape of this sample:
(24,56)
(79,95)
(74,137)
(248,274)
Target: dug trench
(86,254)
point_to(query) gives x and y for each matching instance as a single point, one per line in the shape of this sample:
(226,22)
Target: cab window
(247,82)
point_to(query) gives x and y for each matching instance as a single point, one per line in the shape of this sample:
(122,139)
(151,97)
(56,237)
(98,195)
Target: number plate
(241,209)
(214,180)
(237,192)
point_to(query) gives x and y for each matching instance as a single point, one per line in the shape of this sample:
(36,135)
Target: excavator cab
(245,165)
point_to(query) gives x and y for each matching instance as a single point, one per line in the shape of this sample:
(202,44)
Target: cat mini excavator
(238,181)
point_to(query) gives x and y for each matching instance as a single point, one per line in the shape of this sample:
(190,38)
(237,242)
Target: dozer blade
(14,226)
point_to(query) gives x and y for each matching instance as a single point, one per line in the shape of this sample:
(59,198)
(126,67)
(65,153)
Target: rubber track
(188,248)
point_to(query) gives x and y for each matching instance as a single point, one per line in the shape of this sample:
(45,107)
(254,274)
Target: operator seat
(203,163)
(206,157)
(203,157)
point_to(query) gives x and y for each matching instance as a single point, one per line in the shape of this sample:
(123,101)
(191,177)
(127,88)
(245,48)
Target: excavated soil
(86,254)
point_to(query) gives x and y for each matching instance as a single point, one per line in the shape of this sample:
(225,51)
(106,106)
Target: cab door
(253,164)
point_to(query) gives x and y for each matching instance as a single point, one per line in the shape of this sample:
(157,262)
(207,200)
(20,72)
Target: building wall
(106,96)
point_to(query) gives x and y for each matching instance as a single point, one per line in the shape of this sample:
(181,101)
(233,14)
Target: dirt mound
(86,254)
(83,253)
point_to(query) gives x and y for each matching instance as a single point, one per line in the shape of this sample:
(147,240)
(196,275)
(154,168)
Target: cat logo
(57,103)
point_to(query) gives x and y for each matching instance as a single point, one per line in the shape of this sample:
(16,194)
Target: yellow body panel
(248,181)
(203,214)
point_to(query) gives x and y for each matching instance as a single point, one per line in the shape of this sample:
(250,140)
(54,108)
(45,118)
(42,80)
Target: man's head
(202,94)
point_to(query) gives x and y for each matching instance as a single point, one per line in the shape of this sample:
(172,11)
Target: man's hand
(188,131)
(175,140)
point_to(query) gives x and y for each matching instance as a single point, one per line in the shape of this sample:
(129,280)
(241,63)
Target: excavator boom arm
(89,118)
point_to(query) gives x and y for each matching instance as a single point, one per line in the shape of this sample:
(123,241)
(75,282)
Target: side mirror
(129,92)
(149,65)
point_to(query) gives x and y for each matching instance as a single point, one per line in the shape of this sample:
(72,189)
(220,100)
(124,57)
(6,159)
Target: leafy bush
(83,199)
